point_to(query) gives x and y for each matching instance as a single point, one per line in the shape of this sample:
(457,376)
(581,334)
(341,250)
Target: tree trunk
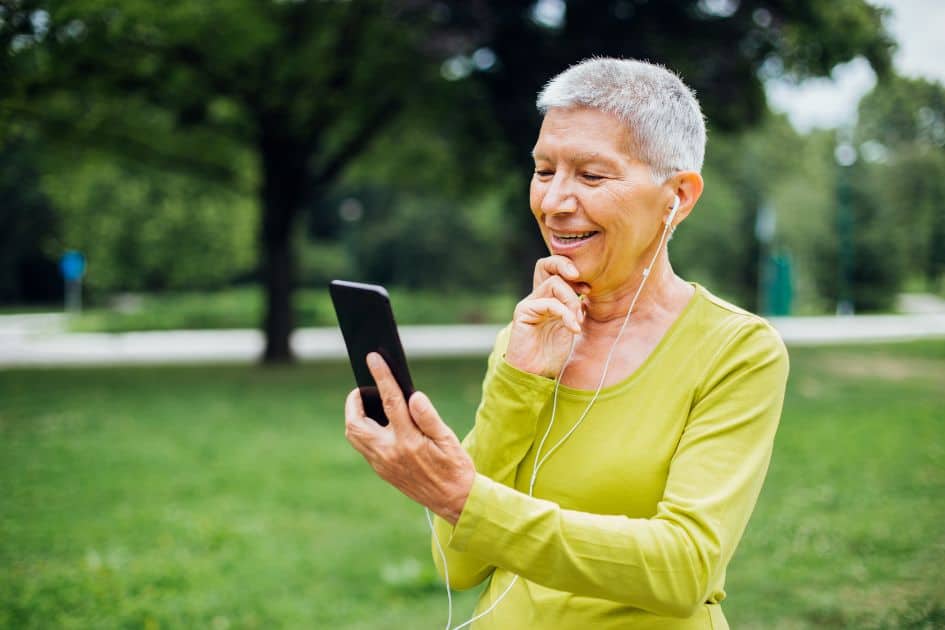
(277,279)
(283,174)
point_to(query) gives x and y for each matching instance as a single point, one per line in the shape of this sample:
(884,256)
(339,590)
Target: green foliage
(302,87)
(324,260)
(143,229)
(902,112)
(901,135)
(770,165)
(804,53)
(228,497)
(892,194)
(876,271)
(913,183)
(429,214)
(434,243)
(805,200)
(307,87)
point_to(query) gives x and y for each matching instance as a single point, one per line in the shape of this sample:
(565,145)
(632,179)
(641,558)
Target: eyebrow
(579,158)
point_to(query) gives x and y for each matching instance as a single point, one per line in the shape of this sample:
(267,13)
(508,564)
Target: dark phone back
(367,325)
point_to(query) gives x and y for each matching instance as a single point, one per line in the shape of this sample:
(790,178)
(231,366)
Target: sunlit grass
(226,497)
(244,307)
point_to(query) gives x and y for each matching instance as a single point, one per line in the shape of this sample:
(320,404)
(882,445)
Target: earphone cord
(446,570)
(539,459)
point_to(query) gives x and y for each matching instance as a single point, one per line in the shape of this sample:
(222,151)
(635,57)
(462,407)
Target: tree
(771,166)
(722,48)
(142,229)
(304,87)
(901,135)
(25,274)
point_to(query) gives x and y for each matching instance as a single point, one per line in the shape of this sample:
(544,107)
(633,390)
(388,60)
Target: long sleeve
(504,431)
(666,564)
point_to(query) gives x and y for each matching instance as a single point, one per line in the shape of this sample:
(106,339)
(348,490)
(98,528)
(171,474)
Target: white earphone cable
(539,459)
(446,570)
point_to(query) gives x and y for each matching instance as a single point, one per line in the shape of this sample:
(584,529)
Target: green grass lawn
(243,308)
(226,497)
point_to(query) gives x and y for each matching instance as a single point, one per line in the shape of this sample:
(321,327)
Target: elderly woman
(627,416)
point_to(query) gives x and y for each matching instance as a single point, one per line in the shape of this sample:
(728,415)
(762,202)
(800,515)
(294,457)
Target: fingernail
(572,270)
(372,358)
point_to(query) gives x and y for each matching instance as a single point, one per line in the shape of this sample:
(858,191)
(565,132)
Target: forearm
(654,564)
(512,401)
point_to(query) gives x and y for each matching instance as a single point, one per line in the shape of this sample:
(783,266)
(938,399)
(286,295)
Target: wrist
(525,363)
(518,362)
(454,507)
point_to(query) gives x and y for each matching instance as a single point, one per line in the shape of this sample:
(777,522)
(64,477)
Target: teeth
(574,237)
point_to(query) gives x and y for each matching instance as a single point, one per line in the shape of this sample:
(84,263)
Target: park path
(40,340)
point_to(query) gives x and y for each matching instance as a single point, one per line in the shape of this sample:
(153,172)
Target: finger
(359,429)
(354,406)
(395,407)
(427,419)
(554,266)
(557,288)
(537,310)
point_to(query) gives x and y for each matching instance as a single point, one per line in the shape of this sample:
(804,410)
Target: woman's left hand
(417,452)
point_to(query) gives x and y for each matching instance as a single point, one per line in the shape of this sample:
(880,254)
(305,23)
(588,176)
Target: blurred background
(211,165)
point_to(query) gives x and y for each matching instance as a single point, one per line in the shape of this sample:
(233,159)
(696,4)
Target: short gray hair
(666,126)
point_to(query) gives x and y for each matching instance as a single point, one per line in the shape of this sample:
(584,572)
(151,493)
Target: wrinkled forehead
(582,134)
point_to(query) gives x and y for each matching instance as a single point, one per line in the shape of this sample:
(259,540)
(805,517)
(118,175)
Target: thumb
(426,417)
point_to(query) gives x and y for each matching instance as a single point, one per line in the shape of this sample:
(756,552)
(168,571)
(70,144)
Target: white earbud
(672,212)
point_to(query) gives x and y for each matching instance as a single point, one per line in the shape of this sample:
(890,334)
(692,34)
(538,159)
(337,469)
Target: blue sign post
(72,267)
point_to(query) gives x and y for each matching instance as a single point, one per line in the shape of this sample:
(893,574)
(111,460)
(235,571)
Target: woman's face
(595,203)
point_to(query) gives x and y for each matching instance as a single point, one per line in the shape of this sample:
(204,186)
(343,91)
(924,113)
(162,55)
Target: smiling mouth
(573,238)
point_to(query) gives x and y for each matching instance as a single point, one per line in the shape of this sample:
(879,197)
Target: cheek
(535,195)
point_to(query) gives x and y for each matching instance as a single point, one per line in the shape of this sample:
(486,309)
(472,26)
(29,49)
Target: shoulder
(733,337)
(727,321)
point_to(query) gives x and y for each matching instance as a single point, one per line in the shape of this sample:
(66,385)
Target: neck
(664,291)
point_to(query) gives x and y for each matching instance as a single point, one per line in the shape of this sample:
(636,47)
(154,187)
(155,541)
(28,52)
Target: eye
(591,177)
(544,173)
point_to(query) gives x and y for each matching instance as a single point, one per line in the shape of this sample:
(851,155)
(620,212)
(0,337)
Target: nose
(559,197)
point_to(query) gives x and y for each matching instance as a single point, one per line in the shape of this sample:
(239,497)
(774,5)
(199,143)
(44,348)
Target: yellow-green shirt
(636,516)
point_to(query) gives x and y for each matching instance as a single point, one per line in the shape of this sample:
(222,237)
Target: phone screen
(367,325)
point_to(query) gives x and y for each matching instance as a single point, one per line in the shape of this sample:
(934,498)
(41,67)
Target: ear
(687,185)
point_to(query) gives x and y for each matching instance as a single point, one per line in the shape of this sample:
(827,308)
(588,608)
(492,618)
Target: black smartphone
(367,325)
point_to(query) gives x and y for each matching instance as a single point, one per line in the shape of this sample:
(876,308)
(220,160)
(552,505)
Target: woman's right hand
(546,321)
